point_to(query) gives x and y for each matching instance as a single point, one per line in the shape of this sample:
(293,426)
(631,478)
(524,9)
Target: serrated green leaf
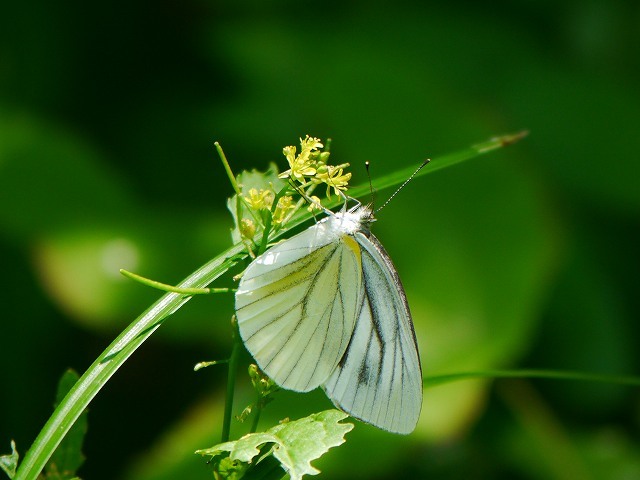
(295,444)
(68,457)
(9,462)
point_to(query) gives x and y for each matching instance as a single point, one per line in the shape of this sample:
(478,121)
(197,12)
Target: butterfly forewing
(297,304)
(379,379)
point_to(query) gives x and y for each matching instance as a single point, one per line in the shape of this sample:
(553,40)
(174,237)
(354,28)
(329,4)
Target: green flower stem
(231,384)
(262,247)
(256,416)
(227,168)
(436,380)
(170,288)
(234,183)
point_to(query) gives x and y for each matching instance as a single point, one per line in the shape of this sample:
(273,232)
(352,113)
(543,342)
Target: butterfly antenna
(404,184)
(373,195)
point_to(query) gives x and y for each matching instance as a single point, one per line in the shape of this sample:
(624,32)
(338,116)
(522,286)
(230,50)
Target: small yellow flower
(257,200)
(303,165)
(310,144)
(290,154)
(334,177)
(284,205)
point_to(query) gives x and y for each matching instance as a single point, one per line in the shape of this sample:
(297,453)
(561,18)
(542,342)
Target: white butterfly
(327,308)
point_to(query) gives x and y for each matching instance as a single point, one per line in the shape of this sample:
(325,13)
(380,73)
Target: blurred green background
(525,258)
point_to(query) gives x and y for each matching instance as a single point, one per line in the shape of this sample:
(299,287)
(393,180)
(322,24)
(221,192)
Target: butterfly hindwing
(379,379)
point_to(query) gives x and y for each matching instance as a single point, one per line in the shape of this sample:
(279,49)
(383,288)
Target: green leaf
(9,462)
(295,445)
(68,457)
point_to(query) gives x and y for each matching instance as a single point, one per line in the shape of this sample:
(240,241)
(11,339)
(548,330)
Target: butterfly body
(327,308)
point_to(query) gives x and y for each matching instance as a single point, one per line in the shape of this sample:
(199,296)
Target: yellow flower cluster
(273,205)
(310,166)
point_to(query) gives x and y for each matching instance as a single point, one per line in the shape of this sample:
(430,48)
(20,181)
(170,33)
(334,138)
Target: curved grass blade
(112,359)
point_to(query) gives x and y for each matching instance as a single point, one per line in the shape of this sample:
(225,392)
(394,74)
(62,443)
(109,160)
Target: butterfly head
(358,218)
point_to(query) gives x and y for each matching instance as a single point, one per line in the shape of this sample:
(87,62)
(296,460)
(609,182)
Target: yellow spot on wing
(351,243)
